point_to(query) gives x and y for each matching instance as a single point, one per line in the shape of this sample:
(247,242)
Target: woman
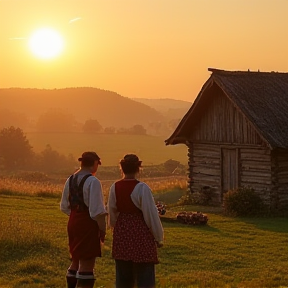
(82,200)
(137,229)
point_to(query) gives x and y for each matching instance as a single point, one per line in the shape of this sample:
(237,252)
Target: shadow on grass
(204,227)
(32,267)
(218,210)
(272,224)
(11,250)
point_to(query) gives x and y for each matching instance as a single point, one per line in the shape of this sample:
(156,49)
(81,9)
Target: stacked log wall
(254,169)
(204,168)
(256,172)
(281,178)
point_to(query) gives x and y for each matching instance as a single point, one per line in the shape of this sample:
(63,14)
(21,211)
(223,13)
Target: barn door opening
(229,169)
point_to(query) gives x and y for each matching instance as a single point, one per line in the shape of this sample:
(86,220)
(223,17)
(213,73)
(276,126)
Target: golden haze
(147,49)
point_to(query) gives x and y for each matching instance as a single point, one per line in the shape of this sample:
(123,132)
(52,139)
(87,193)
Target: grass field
(111,147)
(228,252)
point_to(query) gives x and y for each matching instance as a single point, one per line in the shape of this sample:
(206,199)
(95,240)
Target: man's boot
(85,283)
(71,278)
(85,280)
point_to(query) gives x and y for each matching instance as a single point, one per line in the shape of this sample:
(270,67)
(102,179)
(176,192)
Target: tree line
(55,120)
(16,153)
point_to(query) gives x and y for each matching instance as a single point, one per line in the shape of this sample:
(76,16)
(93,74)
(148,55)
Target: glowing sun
(46,43)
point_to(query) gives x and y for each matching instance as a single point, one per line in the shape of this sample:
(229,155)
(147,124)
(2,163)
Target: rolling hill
(109,108)
(170,108)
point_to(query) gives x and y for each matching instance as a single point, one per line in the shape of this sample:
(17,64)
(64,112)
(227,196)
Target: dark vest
(123,190)
(76,199)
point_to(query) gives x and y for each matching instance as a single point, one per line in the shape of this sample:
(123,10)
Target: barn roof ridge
(261,96)
(219,71)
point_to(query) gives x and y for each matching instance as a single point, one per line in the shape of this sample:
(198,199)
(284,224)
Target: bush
(243,201)
(203,197)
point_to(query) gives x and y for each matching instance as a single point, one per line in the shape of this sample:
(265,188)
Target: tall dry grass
(14,186)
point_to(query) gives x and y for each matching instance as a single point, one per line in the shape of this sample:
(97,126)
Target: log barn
(236,132)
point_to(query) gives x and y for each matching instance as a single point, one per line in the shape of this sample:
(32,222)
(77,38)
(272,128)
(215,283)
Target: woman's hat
(131,158)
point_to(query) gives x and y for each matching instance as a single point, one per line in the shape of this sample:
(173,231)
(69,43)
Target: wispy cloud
(75,19)
(17,38)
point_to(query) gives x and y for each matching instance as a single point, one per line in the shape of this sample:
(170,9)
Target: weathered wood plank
(255,165)
(202,176)
(260,151)
(208,162)
(255,173)
(211,180)
(255,157)
(282,173)
(249,180)
(211,160)
(283,180)
(203,153)
(257,186)
(194,166)
(205,147)
(206,171)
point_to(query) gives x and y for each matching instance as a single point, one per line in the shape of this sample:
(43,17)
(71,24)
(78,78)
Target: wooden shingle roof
(261,96)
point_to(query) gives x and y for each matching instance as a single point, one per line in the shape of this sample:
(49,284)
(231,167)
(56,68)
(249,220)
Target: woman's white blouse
(143,199)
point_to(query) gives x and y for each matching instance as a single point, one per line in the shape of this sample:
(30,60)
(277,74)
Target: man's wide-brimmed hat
(90,155)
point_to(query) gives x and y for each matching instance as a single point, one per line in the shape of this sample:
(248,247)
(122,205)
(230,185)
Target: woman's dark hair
(130,164)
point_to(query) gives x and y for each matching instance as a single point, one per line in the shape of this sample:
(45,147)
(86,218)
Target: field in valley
(227,252)
(111,147)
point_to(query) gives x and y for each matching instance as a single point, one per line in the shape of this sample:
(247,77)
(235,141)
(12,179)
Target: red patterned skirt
(83,235)
(132,240)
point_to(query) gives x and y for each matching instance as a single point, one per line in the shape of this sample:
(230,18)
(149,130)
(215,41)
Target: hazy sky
(142,48)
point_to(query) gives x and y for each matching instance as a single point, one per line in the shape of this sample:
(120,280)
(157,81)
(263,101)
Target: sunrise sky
(140,48)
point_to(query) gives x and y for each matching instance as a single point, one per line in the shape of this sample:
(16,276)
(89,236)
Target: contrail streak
(75,19)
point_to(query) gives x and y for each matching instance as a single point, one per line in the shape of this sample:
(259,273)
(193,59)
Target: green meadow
(227,252)
(111,147)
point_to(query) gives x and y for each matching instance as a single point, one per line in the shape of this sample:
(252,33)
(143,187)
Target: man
(82,200)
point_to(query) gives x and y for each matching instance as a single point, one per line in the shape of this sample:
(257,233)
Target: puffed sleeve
(64,203)
(112,208)
(142,197)
(96,203)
